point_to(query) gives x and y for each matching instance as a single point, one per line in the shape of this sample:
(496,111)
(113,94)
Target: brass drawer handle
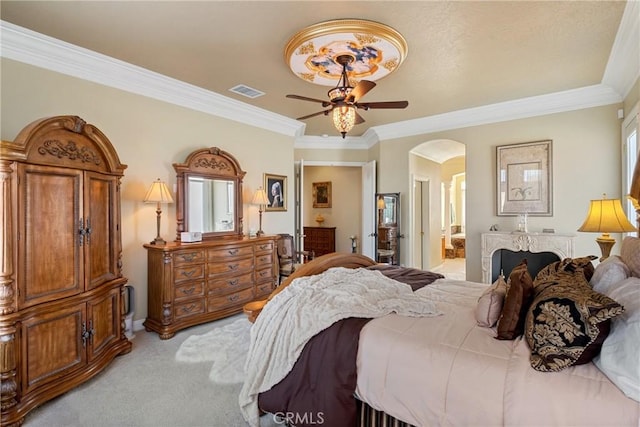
(188,291)
(232,282)
(264,258)
(263,247)
(233,267)
(232,251)
(188,309)
(263,273)
(233,298)
(189,257)
(188,273)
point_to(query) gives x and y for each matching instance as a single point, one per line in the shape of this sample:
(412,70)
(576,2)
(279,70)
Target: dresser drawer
(230,284)
(189,289)
(264,274)
(237,266)
(264,259)
(188,308)
(264,289)
(224,254)
(226,301)
(188,272)
(264,247)
(188,257)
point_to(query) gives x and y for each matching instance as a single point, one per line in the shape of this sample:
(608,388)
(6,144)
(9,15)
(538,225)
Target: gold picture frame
(524,179)
(276,188)
(322,194)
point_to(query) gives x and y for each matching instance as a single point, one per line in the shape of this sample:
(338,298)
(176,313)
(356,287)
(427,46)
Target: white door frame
(414,227)
(366,214)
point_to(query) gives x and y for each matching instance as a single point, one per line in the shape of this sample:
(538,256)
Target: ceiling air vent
(247,91)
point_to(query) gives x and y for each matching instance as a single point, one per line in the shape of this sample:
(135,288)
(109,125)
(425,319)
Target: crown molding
(575,99)
(623,67)
(23,45)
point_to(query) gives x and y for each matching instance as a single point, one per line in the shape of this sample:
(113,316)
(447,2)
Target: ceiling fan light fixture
(339,93)
(344,118)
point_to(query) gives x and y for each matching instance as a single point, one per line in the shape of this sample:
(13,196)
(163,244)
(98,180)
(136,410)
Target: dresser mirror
(388,233)
(209,194)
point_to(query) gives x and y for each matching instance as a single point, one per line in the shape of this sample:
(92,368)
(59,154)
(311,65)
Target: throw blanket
(306,307)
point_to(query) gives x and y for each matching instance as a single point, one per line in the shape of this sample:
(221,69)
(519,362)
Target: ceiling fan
(343,100)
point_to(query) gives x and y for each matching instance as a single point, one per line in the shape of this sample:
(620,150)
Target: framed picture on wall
(276,188)
(322,194)
(524,179)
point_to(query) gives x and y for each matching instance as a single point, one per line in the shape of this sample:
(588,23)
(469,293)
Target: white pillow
(608,273)
(490,303)
(619,358)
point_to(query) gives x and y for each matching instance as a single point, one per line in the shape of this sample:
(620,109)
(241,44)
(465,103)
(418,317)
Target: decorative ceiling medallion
(377,50)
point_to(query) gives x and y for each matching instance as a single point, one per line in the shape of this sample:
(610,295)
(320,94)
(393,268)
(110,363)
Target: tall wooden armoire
(61,286)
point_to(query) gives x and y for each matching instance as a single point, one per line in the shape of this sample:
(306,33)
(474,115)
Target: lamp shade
(260,197)
(344,117)
(381,204)
(606,216)
(158,193)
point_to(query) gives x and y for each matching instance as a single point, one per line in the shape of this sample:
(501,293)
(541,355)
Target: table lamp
(260,198)
(606,216)
(158,193)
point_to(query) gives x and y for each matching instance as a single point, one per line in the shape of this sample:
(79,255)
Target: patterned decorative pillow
(567,265)
(490,303)
(516,302)
(630,254)
(567,321)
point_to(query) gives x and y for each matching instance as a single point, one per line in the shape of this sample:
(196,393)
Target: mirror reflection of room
(388,249)
(211,204)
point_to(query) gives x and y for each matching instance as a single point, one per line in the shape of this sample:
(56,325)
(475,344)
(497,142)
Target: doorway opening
(437,217)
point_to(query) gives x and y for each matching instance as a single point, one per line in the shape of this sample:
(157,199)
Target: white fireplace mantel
(559,244)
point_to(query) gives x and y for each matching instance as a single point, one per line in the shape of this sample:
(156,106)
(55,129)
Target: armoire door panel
(100,223)
(49,219)
(103,317)
(53,345)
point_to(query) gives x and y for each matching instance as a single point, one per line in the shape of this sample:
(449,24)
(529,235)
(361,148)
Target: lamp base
(158,241)
(259,233)
(606,243)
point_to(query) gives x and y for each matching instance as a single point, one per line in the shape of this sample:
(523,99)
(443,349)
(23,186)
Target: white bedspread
(447,371)
(309,305)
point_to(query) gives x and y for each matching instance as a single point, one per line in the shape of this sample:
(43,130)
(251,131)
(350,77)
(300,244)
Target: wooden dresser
(61,286)
(320,240)
(193,283)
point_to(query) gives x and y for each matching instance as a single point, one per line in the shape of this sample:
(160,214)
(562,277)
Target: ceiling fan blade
(325,112)
(304,98)
(387,104)
(359,119)
(360,90)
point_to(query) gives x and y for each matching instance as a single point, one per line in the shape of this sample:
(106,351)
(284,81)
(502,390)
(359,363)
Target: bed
(442,367)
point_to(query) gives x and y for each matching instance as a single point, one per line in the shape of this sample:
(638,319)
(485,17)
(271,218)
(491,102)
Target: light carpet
(226,346)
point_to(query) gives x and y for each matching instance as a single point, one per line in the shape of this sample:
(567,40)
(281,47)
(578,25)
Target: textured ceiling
(460,54)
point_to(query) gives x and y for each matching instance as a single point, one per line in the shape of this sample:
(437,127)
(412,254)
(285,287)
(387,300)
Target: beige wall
(586,163)
(149,136)
(346,203)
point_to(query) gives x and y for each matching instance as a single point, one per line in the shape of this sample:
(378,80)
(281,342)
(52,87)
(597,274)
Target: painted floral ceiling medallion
(377,50)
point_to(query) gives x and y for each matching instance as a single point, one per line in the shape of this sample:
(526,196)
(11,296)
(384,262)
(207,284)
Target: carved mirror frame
(209,163)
